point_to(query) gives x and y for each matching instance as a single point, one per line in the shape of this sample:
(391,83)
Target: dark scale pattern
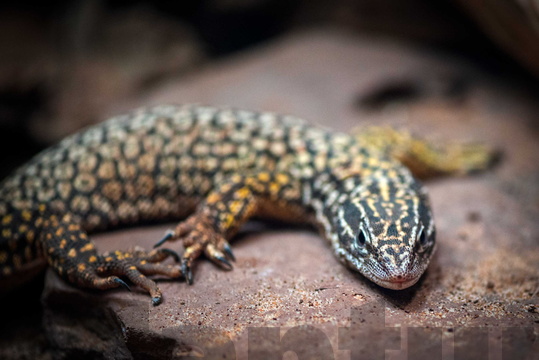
(216,168)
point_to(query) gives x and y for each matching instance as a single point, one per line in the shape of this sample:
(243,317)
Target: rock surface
(287,291)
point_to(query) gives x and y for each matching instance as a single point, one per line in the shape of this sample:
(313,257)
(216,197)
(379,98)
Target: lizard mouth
(396,283)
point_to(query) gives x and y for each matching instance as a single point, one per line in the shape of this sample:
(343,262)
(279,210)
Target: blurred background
(464,68)
(64,63)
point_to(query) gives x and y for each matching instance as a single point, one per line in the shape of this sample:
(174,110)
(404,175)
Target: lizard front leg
(225,210)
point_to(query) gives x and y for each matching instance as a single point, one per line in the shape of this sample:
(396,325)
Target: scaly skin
(216,168)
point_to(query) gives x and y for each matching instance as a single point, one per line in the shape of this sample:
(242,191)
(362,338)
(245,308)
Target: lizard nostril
(400,277)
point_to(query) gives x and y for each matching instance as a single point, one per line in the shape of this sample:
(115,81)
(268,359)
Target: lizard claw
(199,236)
(122,283)
(169,234)
(228,252)
(186,271)
(172,253)
(223,262)
(213,253)
(156,300)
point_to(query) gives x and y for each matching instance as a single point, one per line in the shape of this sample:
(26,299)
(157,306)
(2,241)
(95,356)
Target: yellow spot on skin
(372,206)
(7,219)
(73,227)
(392,174)
(23,228)
(282,178)
(132,268)
(263,176)
(143,262)
(225,187)
(72,253)
(274,188)
(87,247)
(213,198)
(229,220)
(3,257)
(235,207)
(42,207)
(112,190)
(236,178)
(107,170)
(6,233)
(26,215)
(59,232)
(30,235)
(63,243)
(145,185)
(81,267)
(373,162)
(108,258)
(92,259)
(384,191)
(243,193)
(221,207)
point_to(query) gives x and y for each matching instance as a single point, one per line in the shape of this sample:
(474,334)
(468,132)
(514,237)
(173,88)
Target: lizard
(212,169)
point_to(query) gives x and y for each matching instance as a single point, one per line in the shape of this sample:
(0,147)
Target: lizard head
(386,232)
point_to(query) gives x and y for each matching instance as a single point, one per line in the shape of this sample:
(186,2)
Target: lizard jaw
(396,284)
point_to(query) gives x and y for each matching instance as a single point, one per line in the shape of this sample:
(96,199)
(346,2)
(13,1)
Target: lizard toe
(218,257)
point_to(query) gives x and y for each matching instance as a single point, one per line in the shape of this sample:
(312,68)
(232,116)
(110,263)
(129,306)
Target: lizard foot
(199,237)
(105,270)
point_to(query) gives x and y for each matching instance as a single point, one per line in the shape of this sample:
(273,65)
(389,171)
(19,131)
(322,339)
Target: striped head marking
(386,232)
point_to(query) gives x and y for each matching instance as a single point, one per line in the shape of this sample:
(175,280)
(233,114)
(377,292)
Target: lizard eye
(361,238)
(358,246)
(423,239)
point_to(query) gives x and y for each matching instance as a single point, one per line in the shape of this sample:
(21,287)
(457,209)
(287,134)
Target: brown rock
(287,291)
